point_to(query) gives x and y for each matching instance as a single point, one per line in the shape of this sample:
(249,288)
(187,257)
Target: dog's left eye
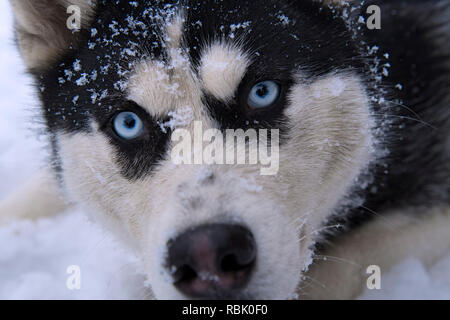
(263,94)
(128,125)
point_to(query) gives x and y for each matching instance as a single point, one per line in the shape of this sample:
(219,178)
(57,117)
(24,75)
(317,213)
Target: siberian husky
(360,110)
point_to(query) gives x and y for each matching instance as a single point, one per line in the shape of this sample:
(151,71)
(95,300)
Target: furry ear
(41,28)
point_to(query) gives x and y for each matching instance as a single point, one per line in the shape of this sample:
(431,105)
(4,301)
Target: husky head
(140,77)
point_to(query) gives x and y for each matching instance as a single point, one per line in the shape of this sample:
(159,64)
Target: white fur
(39,197)
(161,88)
(329,145)
(222,68)
(340,273)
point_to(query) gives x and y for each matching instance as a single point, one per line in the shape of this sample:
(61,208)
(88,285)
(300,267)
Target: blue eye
(128,125)
(263,94)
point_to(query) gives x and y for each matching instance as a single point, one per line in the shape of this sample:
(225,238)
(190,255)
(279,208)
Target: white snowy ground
(34,256)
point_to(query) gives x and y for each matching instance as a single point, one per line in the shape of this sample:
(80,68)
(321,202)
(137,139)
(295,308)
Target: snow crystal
(94,96)
(181,117)
(234,27)
(93,75)
(250,185)
(373,50)
(83,80)
(337,87)
(69,74)
(284,19)
(77,65)
(75,99)
(129,52)
(104,69)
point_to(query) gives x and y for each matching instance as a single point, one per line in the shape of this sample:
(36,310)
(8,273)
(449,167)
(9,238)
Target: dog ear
(42,29)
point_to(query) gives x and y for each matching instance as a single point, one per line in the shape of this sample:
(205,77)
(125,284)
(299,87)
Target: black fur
(414,122)
(415,119)
(418,44)
(69,107)
(314,40)
(282,37)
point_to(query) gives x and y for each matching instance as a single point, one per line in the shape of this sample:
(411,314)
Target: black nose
(212,261)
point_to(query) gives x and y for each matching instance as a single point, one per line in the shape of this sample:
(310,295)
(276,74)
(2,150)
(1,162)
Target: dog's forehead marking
(174,30)
(163,87)
(222,67)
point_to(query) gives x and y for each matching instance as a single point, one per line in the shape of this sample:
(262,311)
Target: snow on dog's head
(136,73)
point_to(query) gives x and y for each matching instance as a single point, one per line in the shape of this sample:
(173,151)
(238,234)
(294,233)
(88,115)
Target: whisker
(317,231)
(383,218)
(336,259)
(406,118)
(407,108)
(315,281)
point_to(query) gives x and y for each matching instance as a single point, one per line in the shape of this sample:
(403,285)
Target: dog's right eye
(263,94)
(128,126)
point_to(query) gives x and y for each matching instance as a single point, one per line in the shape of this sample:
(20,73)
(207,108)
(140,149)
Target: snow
(35,257)
(34,263)
(412,280)
(181,117)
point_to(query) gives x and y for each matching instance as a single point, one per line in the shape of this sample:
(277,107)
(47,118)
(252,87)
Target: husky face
(155,61)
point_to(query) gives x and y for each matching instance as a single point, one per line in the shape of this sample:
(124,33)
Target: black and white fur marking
(363,115)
